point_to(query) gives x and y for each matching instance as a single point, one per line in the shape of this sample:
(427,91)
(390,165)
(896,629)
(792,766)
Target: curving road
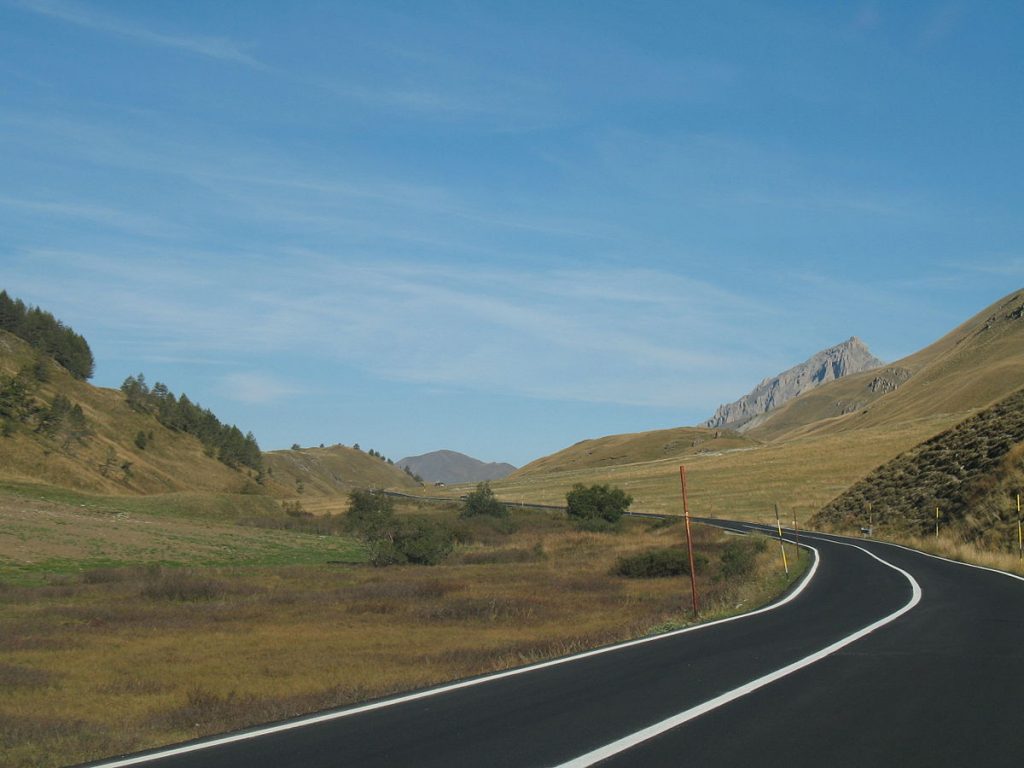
(882,656)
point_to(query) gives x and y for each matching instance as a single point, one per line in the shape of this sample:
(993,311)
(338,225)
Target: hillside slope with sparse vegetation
(615,450)
(59,430)
(971,473)
(321,478)
(974,365)
(815,446)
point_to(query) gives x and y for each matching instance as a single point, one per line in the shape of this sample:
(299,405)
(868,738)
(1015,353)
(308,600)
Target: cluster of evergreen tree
(47,334)
(376,455)
(62,420)
(225,442)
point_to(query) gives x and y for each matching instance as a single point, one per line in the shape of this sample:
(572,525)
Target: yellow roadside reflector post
(778,523)
(796,533)
(1020,537)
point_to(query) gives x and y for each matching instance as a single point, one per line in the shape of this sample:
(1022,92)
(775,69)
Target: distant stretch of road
(882,656)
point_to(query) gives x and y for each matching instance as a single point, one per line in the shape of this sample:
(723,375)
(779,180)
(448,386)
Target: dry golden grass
(638,447)
(171,461)
(123,658)
(952,545)
(955,548)
(326,475)
(41,537)
(812,448)
(802,475)
(971,367)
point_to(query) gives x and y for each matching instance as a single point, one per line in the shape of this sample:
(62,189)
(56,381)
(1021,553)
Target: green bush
(656,563)
(423,541)
(370,515)
(739,556)
(483,502)
(598,525)
(392,540)
(598,502)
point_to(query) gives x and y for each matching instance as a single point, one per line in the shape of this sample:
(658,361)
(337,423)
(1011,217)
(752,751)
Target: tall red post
(689,539)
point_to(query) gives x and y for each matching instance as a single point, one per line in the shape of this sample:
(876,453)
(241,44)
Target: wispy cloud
(256,388)
(106,216)
(272,189)
(1010,265)
(73,13)
(556,334)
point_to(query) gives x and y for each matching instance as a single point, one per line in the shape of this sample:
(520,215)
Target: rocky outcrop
(889,380)
(851,356)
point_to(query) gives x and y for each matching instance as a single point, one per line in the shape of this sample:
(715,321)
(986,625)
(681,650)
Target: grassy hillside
(638,447)
(814,447)
(321,478)
(802,475)
(105,459)
(973,366)
(971,472)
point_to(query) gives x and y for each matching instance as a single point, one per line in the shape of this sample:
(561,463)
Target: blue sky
(501,228)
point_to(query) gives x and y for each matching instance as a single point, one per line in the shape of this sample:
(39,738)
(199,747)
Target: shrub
(185,585)
(423,541)
(656,563)
(739,555)
(598,525)
(392,540)
(371,516)
(294,509)
(598,502)
(483,502)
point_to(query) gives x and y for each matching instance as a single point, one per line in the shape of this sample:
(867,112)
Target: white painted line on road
(357,710)
(820,536)
(951,560)
(628,742)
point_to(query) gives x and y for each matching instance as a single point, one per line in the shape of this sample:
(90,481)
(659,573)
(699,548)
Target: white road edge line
(940,557)
(810,533)
(337,715)
(628,742)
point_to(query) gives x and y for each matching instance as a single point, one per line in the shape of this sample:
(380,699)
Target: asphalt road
(886,657)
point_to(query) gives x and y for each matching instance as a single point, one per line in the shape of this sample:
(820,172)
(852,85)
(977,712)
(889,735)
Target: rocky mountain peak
(852,356)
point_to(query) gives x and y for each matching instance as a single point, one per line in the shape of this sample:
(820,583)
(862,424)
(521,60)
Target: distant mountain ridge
(852,356)
(454,467)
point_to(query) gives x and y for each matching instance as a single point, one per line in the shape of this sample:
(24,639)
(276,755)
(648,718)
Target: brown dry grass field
(802,474)
(954,547)
(102,651)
